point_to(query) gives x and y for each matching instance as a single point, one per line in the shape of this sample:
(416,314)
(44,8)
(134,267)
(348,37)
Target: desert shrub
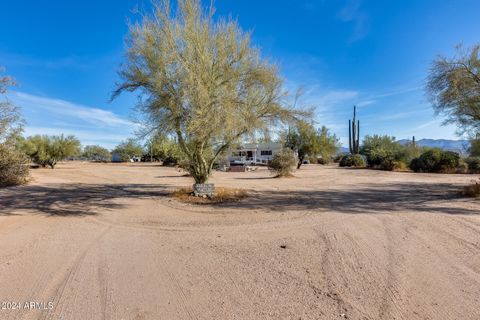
(170,161)
(399,166)
(353,160)
(47,151)
(128,149)
(339,157)
(315,160)
(13,166)
(473,164)
(475,147)
(282,163)
(436,160)
(310,142)
(472,190)
(462,167)
(96,153)
(383,152)
(13,169)
(163,148)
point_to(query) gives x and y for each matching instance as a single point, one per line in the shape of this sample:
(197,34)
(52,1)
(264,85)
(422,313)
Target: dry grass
(221,195)
(472,190)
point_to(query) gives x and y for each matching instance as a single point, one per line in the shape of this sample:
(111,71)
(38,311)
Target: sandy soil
(105,241)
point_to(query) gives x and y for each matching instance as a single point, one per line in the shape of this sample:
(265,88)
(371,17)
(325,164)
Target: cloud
(366,103)
(92,125)
(91,115)
(395,92)
(352,13)
(330,98)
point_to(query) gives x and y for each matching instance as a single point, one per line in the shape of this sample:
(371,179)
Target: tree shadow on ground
(73,199)
(89,199)
(413,197)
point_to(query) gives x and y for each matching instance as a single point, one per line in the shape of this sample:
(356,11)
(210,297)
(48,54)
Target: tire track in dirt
(55,290)
(327,272)
(395,261)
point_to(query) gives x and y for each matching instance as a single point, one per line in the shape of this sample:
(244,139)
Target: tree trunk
(300,162)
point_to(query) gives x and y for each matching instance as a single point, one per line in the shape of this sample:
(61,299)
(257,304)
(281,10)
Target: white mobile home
(255,153)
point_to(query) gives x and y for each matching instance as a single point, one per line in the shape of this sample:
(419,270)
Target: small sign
(203,189)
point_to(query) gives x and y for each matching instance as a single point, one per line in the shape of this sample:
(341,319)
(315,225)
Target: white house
(255,153)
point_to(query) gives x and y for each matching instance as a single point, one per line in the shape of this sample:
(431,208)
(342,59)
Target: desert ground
(106,241)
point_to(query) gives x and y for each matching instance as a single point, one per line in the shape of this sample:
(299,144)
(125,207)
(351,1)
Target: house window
(266,152)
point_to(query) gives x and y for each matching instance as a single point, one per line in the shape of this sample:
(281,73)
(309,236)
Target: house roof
(262,146)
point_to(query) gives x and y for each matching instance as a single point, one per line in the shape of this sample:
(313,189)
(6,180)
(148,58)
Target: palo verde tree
(453,86)
(96,153)
(328,144)
(10,117)
(302,138)
(49,150)
(201,80)
(128,149)
(165,149)
(306,140)
(13,169)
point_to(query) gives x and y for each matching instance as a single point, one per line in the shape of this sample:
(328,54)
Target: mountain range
(460,146)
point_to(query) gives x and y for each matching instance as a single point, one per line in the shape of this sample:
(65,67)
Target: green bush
(383,152)
(47,151)
(475,147)
(96,153)
(353,160)
(128,149)
(282,163)
(473,164)
(13,166)
(164,149)
(437,161)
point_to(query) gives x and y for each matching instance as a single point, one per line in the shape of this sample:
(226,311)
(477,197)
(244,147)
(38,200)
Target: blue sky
(375,54)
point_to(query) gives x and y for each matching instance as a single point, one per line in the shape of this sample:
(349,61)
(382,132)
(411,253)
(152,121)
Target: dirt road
(104,241)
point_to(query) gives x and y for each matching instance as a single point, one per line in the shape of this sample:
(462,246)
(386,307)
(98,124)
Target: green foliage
(353,160)
(473,164)
(383,152)
(13,166)
(307,141)
(475,147)
(202,81)
(128,149)
(49,150)
(13,163)
(328,145)
(301,138)
(437,161)
(164,149)
(96,153)
(454,88)
(10,117)
(282,163)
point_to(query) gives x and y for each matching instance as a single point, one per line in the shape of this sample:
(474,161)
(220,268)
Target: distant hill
(460,146)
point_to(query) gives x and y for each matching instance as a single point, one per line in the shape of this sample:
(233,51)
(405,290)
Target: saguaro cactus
(354,133)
